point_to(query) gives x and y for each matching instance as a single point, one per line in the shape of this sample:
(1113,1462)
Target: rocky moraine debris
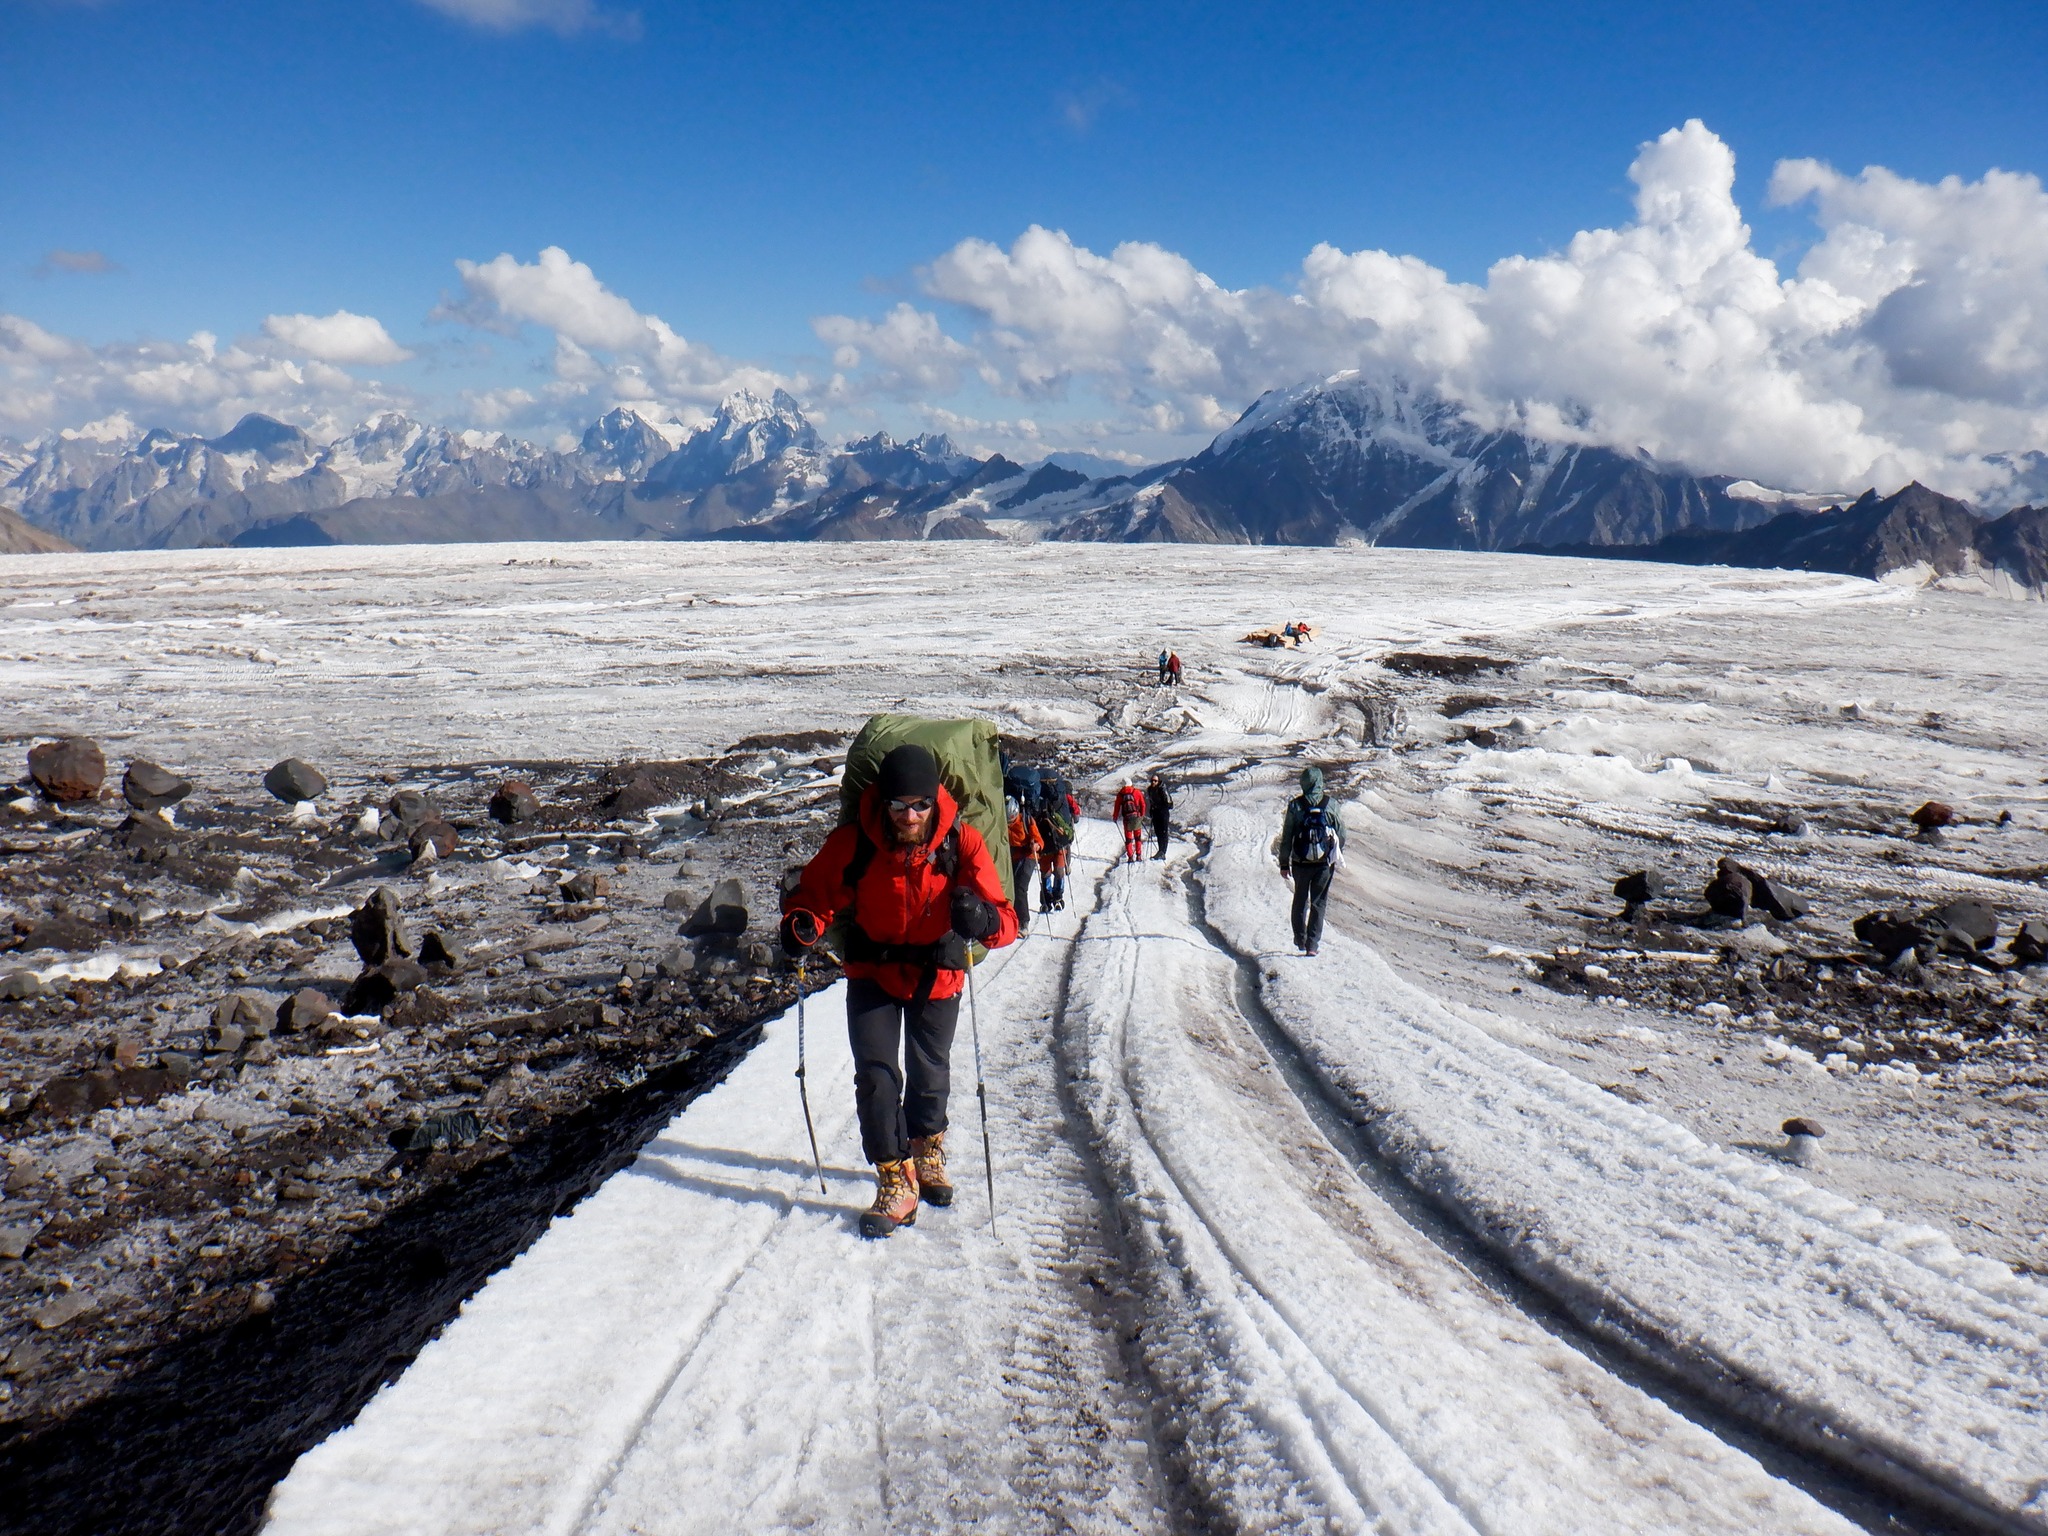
(246,1021)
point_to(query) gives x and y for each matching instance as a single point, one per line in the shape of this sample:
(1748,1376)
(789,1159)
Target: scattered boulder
(148,787)
(678,960)
(636,797)
(513,802)
(438,949)
(67,1098)
(678,900)
(148,838)
(1766,894)
(1802,1141)
(19,986)
(1728,893)
(432,840)
(74,935)
(723,912)
(2029,946)
(1963,927)
(1933,814)
(293,781)
(302,1010)
(68,770)
(412,809)
(376,929)
(65,1307)
(379,986)
(584,886)
(445,1130)
(1640,887)
(14,1241)
(246,1013)
(1892,933)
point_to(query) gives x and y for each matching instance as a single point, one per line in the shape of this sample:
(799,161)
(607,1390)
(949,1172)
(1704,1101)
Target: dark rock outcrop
(68,770)
(148,787)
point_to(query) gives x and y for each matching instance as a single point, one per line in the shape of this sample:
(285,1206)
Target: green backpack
(970,766)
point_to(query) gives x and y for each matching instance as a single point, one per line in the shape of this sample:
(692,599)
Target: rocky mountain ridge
(1347,459)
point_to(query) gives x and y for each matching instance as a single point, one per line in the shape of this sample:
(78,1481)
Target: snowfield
(1364,1242)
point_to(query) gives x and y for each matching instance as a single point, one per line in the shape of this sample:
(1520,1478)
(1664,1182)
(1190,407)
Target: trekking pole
(988,1166)
(803,1090)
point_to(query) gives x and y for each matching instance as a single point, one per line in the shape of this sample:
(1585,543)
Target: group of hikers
(910,888)
(1169,669)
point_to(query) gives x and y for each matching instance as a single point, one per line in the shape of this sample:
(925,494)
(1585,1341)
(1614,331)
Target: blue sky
(740,171)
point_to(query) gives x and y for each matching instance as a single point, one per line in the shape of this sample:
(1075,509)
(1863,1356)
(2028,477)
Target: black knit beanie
(908,772)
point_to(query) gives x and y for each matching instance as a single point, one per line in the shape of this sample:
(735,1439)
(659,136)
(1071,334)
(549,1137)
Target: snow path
(705,1344)
(1334,1368)
(1830,1319)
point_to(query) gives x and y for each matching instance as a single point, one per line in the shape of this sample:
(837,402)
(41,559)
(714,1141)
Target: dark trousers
(1311,895)
(1020,879)
(1162,829)
(897,1103)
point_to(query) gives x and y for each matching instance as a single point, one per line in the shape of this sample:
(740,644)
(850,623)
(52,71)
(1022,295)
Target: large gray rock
(376,929)
(293,781)
(148,787)
(722,913)
(69,770)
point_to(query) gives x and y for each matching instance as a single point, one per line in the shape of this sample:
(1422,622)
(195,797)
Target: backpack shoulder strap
(863,855)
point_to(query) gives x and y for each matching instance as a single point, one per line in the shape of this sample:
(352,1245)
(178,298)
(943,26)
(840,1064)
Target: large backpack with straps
(970,766)
(1315,835)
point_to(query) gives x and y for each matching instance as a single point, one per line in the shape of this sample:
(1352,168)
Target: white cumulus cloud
(337,338)
(48,380)
(605,351)
(1911,342)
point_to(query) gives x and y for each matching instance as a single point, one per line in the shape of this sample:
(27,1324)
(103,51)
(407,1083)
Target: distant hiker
(1165,667)
(1310,847)
(1130,815)
(1058,814)
(1159,805)
(1026,843)
(1173,668)
(1288,634)
(919,884)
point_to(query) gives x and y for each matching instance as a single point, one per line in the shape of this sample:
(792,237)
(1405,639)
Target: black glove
(950,953)
(799,932)
(973,918)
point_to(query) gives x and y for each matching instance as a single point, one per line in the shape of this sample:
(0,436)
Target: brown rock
(437,835)
(413,809)
(148,787)
(68,1098)
(61,1309)
(585,886)
(302,1010)
(72,934)
(1728,893)
(513,802)
(1934,814)
(68,770)
(438,949)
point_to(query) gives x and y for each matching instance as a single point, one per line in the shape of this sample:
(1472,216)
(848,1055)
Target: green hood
(1311,784)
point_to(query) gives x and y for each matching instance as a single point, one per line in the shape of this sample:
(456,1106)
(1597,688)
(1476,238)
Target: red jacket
(901,899)
(1130,801)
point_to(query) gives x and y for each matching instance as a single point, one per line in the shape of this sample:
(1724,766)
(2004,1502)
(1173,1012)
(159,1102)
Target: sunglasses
(911,807)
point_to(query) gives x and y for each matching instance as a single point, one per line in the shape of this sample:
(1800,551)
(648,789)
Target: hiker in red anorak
(1130,815)
(918,884)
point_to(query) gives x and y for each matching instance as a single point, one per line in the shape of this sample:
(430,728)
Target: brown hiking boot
(895,1199)
(929,1156)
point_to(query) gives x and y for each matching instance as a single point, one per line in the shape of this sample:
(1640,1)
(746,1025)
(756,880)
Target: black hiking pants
(1311,895)
(1020,880)
(1162,829)
(896,1103)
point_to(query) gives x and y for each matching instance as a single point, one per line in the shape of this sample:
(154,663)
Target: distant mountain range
(1348,459)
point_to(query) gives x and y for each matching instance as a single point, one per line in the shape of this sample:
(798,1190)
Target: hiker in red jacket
(1130,815)
(920,885)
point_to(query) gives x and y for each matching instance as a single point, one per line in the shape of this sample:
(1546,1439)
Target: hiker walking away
(1058,814)
(1165,666)
(918,884)
(1159,805)
(1173,668)
(1130,815)
(1026,843)
(1310,847)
